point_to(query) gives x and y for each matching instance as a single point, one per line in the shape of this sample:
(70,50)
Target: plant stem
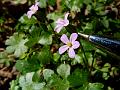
(92,62)
(85,58)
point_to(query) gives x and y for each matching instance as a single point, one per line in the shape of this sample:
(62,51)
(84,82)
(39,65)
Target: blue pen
(110,45)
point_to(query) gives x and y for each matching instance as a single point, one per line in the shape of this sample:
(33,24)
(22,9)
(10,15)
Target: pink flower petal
(36,8)
(62,22)
(73,37)
(32,7)
(66,22)
(75,44)
(62,49)
(37,3)
(59,21)
(29,14)
(64,39)
(71,53)
(66,16)
(58,28)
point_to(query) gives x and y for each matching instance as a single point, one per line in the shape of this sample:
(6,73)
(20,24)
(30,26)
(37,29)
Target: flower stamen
(69,44)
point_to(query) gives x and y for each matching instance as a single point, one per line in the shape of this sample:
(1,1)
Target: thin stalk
(92,62)
(85,58)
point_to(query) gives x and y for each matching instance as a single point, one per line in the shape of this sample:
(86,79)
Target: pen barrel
(109,44)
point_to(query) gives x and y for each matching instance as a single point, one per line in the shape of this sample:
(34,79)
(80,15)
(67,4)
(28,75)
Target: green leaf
(14,85)
(45,38)
(88,28)
(54,16)
(64,70)
(25,20)
(105,22)
(26,82)
(57,83)
(45,55)
(78,78)
(56,56)
(42,4)
(5,59)
(24,66)
(92,86)
(16,44)
(95,86)
(47,73)
(87,45)
(74,5)
(77,59)
(106,67)
(34,36)
(105,76)
(37,77)
(65,57)
(26,79)
(87,2)
(51,2)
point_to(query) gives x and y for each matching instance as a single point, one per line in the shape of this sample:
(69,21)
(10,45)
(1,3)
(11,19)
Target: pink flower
(32,10)
(70,44)
(61,23)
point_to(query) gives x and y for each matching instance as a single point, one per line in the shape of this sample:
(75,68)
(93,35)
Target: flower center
(69,44)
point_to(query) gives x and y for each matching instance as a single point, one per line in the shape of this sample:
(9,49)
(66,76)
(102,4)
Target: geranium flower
(32,10)
(70,44)
(61,23)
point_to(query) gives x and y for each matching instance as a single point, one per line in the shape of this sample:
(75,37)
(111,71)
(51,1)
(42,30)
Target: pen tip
(84,35)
